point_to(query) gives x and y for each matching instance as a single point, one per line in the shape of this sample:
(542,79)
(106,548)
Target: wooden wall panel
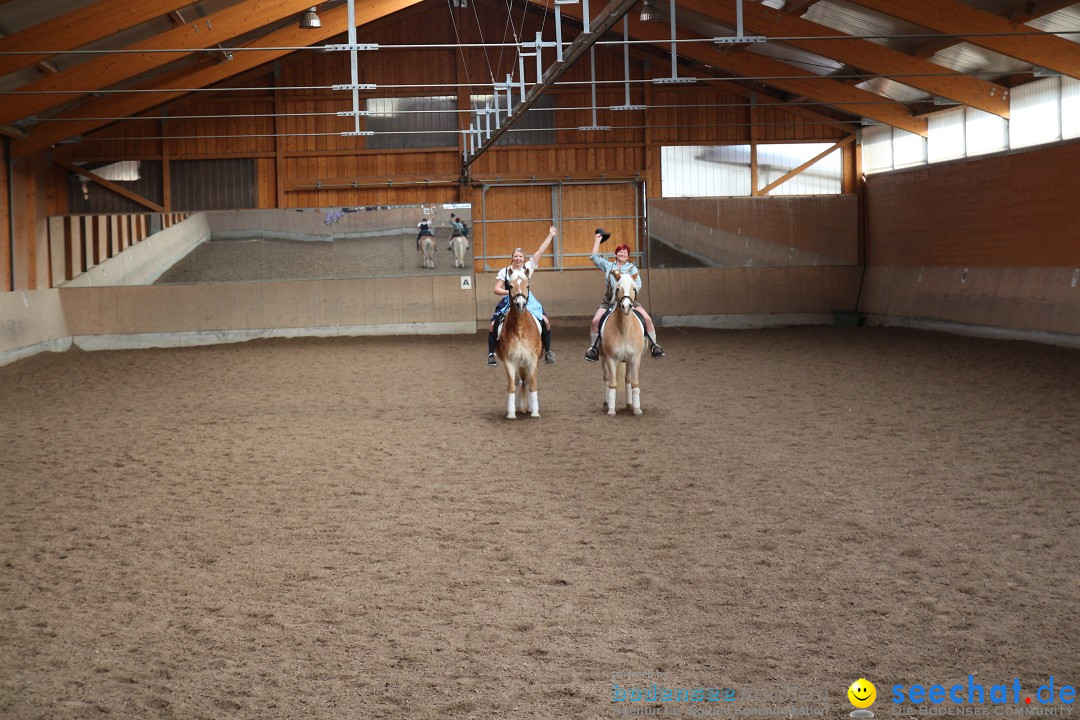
(1015,209)
(613,207)
(5,218)
(221,134)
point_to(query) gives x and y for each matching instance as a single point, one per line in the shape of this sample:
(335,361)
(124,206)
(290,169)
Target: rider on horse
(457,230)
(623,265)
(423,228)
(502,288)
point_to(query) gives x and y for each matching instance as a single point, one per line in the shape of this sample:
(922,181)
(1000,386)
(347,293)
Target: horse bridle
(515,296)
(618,300)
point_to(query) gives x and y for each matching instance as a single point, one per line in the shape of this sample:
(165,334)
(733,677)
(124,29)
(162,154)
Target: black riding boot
(545,339)
(593,353)
(492,341)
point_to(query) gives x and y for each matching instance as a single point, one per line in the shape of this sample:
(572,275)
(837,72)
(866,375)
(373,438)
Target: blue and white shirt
(607,266)
(533,305)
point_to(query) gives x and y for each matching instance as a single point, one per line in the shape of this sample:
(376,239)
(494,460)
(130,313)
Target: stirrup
(549,357)
(592,355)
(657,352)
(491,360)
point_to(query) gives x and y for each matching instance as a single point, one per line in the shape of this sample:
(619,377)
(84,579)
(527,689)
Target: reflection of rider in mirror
(502,287)
(623,265)
(457,230)
(423,228)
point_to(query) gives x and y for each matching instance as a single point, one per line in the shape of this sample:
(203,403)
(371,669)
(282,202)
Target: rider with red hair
(623,265)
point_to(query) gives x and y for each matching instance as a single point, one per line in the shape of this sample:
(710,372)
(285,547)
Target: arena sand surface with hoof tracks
(350,528)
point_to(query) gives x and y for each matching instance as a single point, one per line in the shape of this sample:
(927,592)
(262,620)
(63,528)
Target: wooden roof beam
(118,189)
(869,57)
(1022,13)
(109,69)
(80,27)
(1028,11)
(120,105)
(798,8)
(995,33)
(758,96)
(776,73)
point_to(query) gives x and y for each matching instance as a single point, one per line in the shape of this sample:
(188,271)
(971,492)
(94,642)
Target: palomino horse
(427,246)
(459,244)
(519,348)
(623,341)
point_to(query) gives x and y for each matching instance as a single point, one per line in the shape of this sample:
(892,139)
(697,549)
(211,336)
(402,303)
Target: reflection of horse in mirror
(623,341)
(427,247)
(459,245)
(519,348)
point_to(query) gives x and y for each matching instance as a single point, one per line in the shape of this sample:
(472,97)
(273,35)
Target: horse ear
(528,272)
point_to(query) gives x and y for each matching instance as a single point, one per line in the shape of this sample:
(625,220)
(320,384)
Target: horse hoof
(637,411)
(535,414)
(611,413)
(511,416)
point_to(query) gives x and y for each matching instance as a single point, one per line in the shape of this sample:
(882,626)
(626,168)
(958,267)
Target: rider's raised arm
(598,259)
(552,232)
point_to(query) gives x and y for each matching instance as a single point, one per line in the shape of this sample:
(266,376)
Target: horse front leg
(610,384)
(633,389)
(511,388)
(534,396)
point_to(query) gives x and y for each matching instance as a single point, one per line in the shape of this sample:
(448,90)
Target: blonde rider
(518,261)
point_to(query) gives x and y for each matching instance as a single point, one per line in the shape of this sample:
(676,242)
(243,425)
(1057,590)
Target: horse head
(625,292)
(518,280)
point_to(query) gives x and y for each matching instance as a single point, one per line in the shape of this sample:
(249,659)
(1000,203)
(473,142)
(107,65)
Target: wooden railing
(80,242)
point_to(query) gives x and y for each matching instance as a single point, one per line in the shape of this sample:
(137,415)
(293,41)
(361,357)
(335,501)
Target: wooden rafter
(1028,11)
(80,27)
(777,74)
(985,30)
(761,98)
(109,69)
(109,185)
(121,105)
(1021,13)
(870,57)
(798,7)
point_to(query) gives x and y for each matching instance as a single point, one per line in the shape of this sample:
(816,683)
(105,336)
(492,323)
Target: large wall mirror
(324,243)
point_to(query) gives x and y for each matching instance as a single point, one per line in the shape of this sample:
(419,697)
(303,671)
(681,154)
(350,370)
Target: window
(536,127)
(412,122)
(724,170)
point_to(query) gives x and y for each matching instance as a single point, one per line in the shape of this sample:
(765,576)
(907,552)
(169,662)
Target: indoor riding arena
(255,463)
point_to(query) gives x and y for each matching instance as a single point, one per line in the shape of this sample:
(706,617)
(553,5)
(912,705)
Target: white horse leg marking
(637,401)
(534,403)
(511,403)
(611,401)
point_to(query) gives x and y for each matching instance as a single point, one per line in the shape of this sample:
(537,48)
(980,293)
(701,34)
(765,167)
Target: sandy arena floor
(349,528)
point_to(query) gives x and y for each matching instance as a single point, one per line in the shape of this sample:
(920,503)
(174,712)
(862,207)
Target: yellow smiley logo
(862,693)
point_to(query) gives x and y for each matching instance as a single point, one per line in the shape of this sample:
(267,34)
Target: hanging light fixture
(649,13)
(309,20)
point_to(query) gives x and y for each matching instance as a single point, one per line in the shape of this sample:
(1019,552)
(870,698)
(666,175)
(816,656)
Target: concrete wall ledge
(981,331)
(746,322)
(141,341)
(9,356)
